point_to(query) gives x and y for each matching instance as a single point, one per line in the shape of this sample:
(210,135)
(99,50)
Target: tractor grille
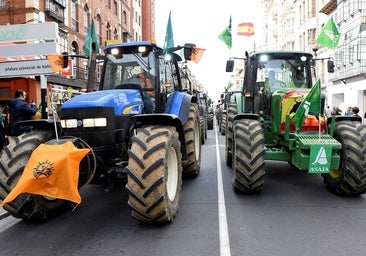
(307,140)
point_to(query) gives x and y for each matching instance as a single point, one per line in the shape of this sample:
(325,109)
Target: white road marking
(223,229)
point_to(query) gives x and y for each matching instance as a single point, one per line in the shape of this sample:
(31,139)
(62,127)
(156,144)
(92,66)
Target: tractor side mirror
(188,50)
(331,66)
(229,66)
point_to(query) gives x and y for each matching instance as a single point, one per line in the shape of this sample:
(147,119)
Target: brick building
(124,20)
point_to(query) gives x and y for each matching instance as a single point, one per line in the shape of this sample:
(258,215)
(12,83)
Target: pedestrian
(19,111)
(355,111)
(349,111)
(336,111)
(2,128)
(329,112)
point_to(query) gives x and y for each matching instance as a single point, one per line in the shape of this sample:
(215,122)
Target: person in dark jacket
(355,111)
(19,110)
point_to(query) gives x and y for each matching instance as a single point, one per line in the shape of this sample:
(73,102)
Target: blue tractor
(141,128)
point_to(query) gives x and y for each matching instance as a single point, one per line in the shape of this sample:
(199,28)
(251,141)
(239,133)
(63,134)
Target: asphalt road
(294,215)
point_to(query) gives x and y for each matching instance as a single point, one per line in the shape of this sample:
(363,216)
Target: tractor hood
(120,100)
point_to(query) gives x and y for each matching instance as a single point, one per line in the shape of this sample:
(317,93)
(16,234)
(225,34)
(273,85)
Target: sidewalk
(3,213)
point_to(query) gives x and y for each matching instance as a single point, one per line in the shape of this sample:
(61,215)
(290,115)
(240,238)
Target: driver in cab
(298,79)
(147,82)
(272,82)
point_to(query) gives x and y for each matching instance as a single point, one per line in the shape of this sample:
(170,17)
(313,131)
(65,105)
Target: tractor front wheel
(154,177)
(15,156)
(232,111)
(248,156)
(350,178)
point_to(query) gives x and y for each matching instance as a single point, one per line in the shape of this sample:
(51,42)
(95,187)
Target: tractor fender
(162,119)
(178,104)
(332,120)
(246,116)
(41,124)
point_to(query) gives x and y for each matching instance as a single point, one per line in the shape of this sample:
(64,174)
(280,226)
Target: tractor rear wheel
(191,167)
(203,134)
(232,111)
(248,156)
(350,178)
(210,120)
(154,177)
(223,124)
(15,156)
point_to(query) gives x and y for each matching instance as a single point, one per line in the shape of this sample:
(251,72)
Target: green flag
(329,36)
(311,104)
(169,41)
(91,37)
(225,35)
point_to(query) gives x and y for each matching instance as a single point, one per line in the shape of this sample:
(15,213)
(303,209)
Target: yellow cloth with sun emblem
(53,171)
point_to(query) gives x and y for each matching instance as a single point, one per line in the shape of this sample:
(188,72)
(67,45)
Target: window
(2,4)
(74,18)
(108,32)
(86,19)
(63,41)
(55,9)
(124,17)
(98,29)
(115,7)
(115,35)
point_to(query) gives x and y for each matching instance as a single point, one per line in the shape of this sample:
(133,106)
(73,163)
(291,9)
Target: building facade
(295,25)
(113,19)
(119,20)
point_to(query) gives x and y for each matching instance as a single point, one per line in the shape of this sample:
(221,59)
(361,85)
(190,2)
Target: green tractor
(210,114)
(280,116)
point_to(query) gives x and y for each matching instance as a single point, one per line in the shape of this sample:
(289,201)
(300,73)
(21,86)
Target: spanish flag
(246,29)
(53,171)
(196,54)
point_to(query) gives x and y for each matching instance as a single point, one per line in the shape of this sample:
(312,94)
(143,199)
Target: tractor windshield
(131,71)
(289,71)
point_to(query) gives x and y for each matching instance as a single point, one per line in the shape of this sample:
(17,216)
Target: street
(293,215)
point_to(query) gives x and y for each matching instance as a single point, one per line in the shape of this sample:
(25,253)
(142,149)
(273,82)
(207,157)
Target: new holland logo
(320,159)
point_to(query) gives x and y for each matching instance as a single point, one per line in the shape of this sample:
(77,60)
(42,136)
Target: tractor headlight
(95,122)
(69,123)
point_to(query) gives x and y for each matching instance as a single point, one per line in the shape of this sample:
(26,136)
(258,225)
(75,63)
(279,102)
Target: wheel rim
(172,179)
(334,173)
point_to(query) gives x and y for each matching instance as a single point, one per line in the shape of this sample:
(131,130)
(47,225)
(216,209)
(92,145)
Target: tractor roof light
(114,51)
(142,49)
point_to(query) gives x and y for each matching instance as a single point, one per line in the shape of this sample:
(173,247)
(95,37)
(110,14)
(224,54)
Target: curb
(4,214)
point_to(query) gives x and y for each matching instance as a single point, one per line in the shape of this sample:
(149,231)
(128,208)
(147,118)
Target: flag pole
(319,124)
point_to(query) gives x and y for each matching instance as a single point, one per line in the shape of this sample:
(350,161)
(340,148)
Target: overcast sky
(201,22)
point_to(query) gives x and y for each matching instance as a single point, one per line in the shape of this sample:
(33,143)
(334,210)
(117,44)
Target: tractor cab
(274,86)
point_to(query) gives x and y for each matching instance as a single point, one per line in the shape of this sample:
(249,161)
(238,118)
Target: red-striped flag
(246,29)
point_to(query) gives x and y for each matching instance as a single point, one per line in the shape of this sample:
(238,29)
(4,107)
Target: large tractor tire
(154,177)
(192,166)
(248,152)
(350,178)
(15,156)
(202,125)
(210,120)
(223,123)
(231,113)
